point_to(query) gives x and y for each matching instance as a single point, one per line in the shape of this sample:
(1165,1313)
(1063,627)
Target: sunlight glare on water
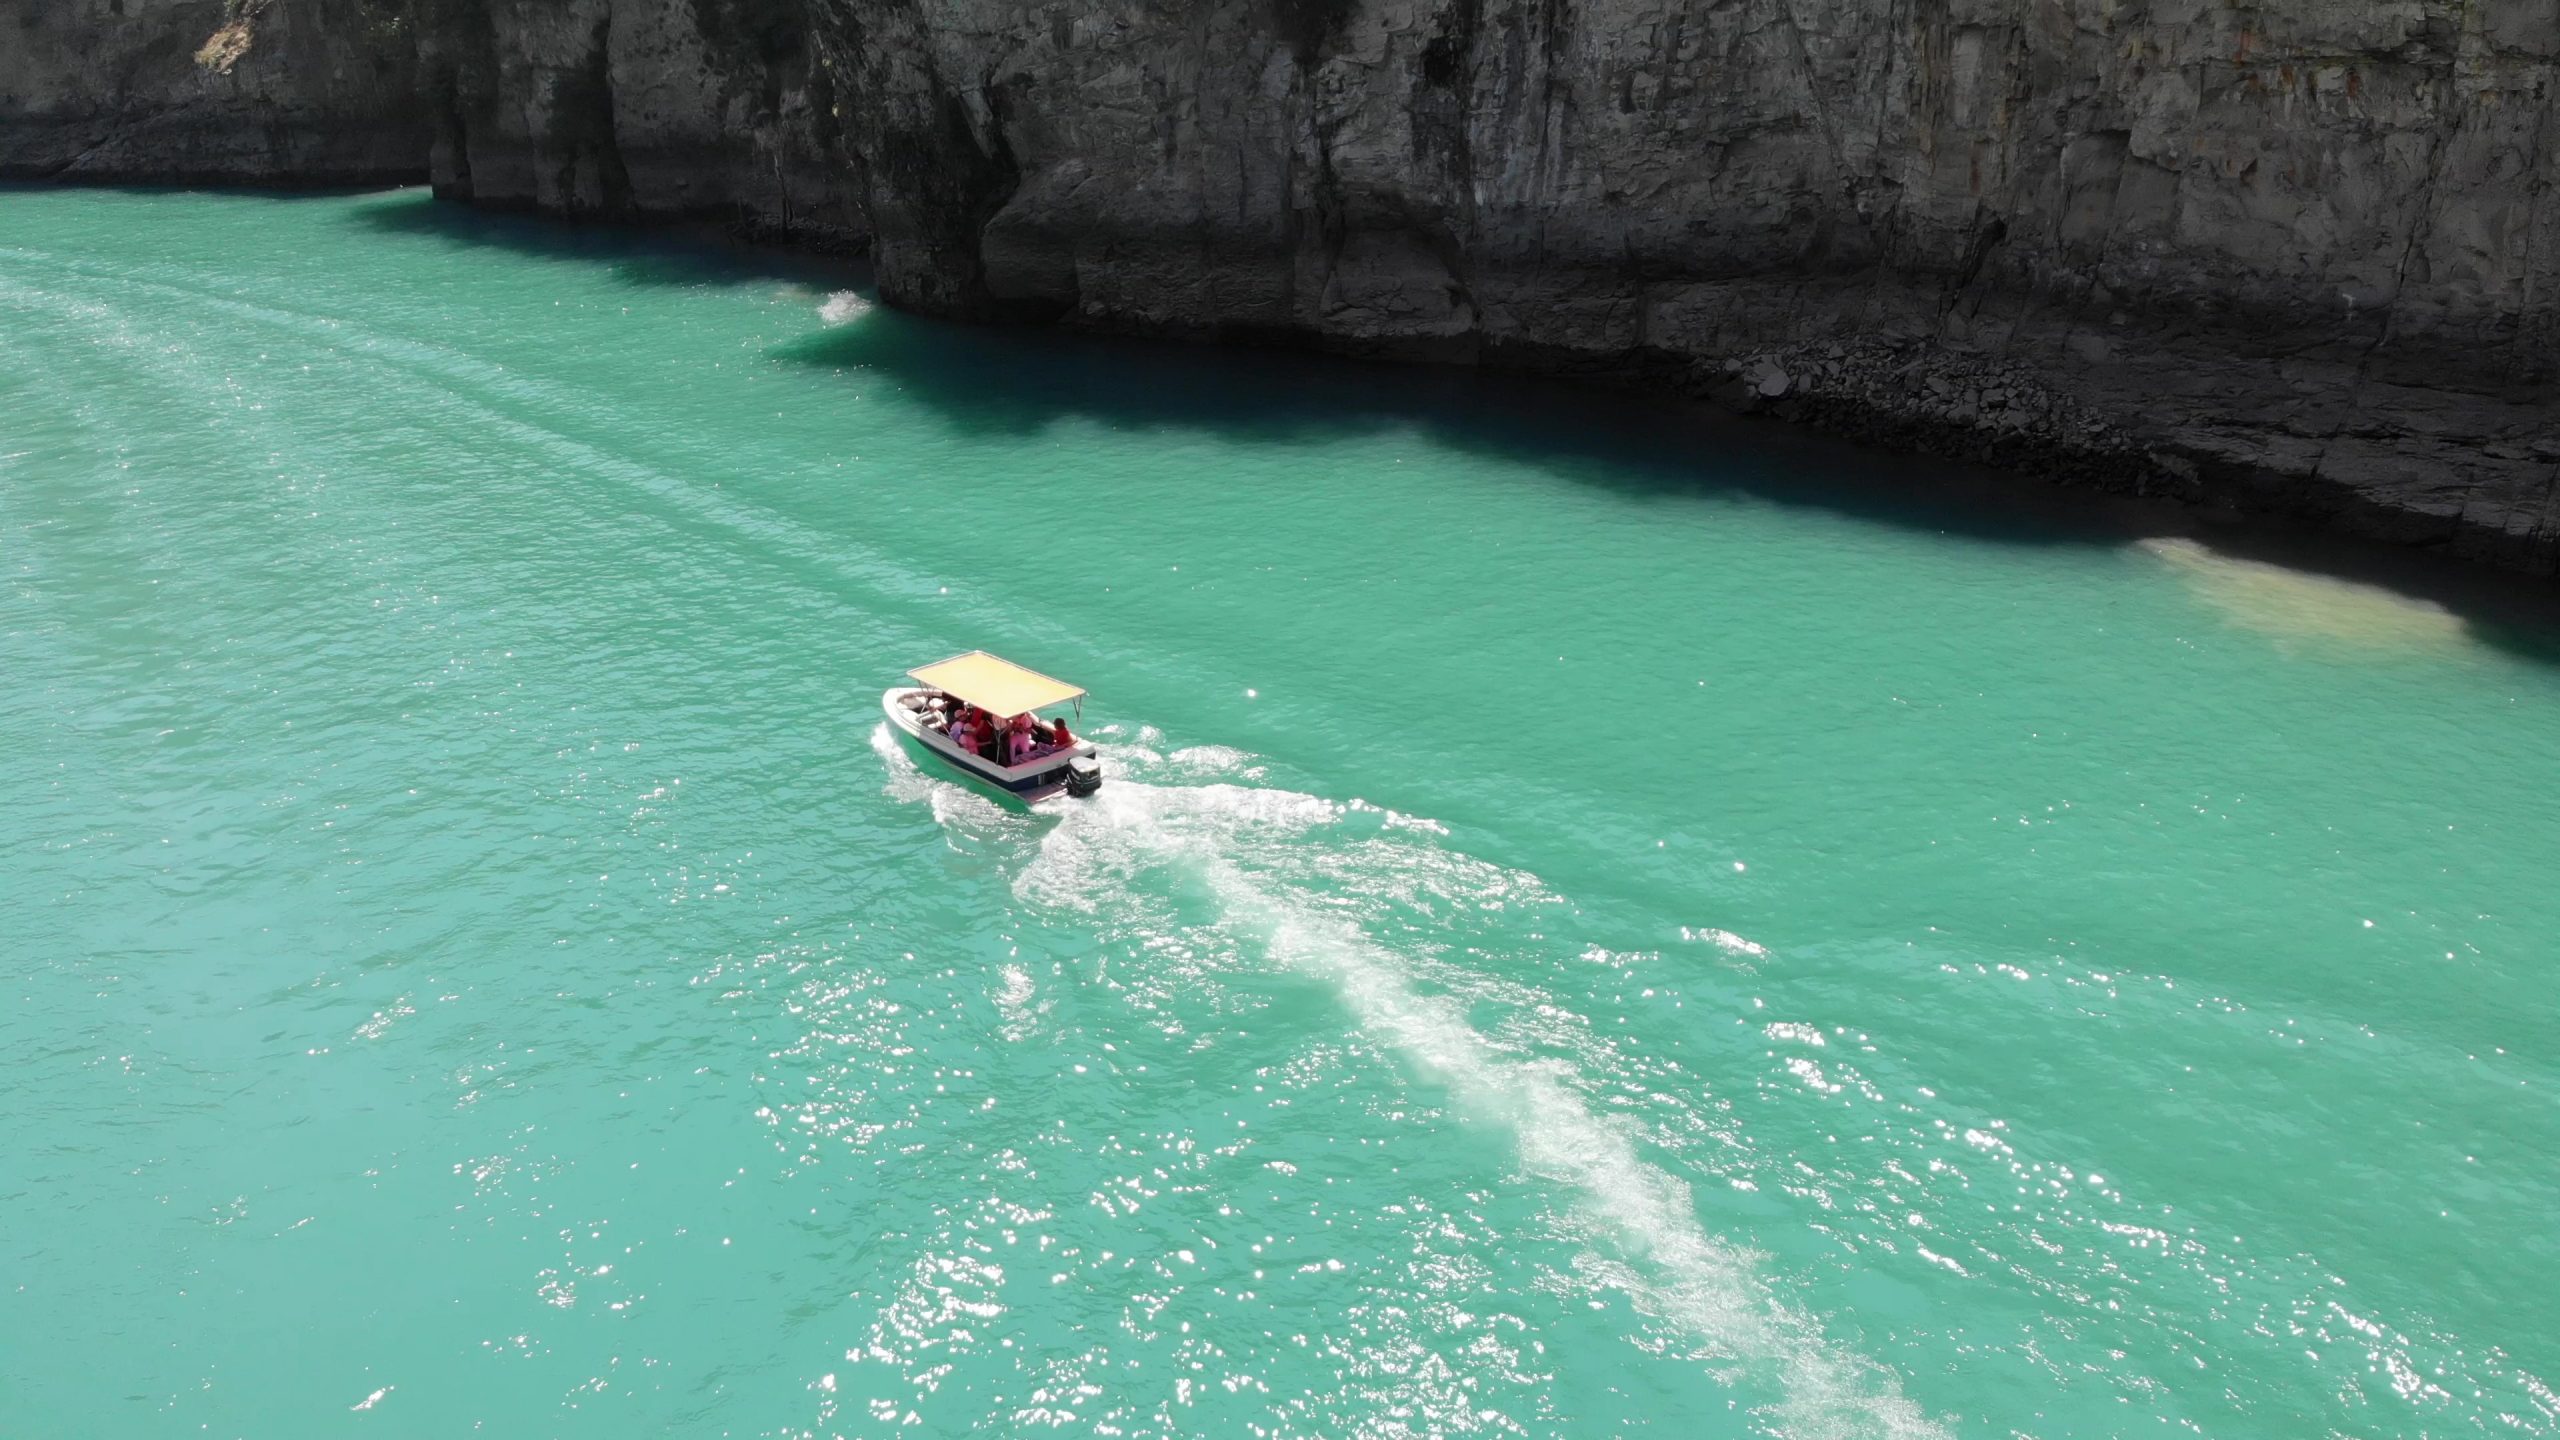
(1598,925)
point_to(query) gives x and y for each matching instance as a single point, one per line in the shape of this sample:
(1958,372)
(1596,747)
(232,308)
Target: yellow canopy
(998,687)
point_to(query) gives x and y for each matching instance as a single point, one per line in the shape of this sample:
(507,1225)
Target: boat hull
(1034,786)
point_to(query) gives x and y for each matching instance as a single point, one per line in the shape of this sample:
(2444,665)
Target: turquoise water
(1596,928)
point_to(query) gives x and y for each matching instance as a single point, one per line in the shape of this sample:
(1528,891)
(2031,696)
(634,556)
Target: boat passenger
(961,735)
(1044,738)
(1018,742)
(1058,735)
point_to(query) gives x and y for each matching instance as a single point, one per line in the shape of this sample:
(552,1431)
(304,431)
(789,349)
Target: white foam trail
(1683,1275)
(1728,942)
(843,307)
(1108,840)
(1670,1266)
(540,415)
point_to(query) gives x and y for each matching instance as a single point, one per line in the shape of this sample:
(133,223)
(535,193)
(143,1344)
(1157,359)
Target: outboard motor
(1084,775)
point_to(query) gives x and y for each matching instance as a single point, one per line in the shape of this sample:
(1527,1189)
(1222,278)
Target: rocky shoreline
(2294,261)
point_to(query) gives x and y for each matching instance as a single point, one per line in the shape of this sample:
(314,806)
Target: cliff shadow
(1020,380)
(671,251)
(1000,380)
(1015,380)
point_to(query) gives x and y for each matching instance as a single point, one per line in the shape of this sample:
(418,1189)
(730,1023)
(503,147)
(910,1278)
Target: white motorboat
(1053,761)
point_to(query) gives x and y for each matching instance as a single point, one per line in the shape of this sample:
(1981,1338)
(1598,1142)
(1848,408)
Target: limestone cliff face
(2300,255)
(694,109)
(2296,256)
(663,108)
(301,92)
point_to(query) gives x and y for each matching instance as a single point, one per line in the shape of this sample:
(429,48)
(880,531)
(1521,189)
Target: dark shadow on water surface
(1009,380)
(671,254)
(991,380)
(999,380)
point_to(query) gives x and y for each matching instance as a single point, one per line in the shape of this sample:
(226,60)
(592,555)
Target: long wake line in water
(1670,1266)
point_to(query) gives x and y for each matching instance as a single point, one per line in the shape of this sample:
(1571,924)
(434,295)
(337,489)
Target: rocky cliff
(2290,256)
(704,109)
(660,109)
(300,92)
(2296,255)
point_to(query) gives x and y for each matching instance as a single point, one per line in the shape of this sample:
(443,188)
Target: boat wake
(1295,881)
